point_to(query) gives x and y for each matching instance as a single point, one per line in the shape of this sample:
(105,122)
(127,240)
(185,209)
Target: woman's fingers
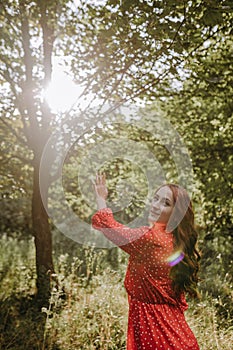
(100,179)
(94,184)
(104,178)
(97,179)
(99,185)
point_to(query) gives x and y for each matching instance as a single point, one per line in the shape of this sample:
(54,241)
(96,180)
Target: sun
(62,93)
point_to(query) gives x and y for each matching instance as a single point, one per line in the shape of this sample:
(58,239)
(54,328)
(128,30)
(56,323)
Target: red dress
(156,316)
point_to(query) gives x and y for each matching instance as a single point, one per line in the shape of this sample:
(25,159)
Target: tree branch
(29,87)
(48,31)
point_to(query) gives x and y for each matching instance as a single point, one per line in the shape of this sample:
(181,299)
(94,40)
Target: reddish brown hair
(184,274)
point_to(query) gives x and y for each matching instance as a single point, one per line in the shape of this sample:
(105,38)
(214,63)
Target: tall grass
(89,315)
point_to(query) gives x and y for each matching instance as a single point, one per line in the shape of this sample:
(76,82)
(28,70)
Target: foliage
(16,181)
(178,52)
(202,113)
(17,266)
(140,48)
(120,51)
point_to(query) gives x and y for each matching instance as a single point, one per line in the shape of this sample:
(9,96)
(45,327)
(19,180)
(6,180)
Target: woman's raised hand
(100,186)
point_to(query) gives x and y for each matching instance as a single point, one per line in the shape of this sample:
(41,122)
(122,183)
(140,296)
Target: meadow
(83,313)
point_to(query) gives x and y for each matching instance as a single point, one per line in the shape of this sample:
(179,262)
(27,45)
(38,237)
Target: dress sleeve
(124,237)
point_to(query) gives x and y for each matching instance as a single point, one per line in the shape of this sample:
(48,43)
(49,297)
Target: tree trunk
(43,241)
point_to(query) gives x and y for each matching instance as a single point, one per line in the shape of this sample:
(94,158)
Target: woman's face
(161,206)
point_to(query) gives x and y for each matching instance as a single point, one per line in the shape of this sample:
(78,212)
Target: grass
(92,316)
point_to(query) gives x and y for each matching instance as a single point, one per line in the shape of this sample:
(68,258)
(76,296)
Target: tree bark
(43,241)
(37,133)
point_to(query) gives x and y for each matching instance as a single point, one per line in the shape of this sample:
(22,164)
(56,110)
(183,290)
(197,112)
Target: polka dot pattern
(156,316)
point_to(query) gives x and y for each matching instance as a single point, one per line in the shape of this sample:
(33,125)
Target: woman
(163,266)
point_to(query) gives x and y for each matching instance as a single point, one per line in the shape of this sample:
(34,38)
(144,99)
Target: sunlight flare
(62,93)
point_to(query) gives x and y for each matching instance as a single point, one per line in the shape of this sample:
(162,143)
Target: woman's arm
(101,191)
(129,239)
(125,237)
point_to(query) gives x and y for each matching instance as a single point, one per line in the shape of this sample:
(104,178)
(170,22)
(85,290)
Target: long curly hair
(184,274)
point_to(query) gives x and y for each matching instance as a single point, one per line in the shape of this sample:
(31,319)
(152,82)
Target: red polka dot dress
(156,316)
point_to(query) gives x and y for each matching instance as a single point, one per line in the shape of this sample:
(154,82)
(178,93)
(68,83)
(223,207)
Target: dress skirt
(158,327)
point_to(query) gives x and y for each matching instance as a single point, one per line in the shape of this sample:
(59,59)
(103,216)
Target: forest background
(173,60)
